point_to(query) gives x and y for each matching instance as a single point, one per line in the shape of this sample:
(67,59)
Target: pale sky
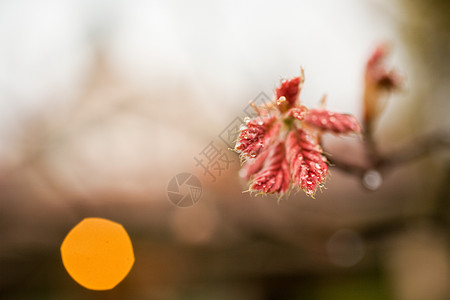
(228,49)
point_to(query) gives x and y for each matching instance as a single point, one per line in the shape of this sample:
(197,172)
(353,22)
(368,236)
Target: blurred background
(103,102)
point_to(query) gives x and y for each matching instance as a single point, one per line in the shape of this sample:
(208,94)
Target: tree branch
(417,149)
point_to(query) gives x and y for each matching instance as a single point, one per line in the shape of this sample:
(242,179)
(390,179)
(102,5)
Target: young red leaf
(256,134)
(307,163)
(298,112)
(331,121)
(290,90)
(377,81)
(254,165)
(274,177)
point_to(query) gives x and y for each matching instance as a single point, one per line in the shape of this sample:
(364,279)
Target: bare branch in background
(379,83)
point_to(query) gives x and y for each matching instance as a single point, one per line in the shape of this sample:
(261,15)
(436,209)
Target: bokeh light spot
(345,248)
(372,180)
(97,253)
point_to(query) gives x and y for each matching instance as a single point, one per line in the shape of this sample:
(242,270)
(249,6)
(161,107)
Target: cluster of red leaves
(281,145)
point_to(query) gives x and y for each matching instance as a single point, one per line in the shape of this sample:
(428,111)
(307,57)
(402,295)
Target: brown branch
(420,147)
(417,149)
(347,166)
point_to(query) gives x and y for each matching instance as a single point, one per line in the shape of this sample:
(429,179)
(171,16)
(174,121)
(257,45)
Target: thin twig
(428,144)
(431,143)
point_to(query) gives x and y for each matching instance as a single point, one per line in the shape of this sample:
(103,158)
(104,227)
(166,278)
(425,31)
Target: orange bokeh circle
(97,253)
